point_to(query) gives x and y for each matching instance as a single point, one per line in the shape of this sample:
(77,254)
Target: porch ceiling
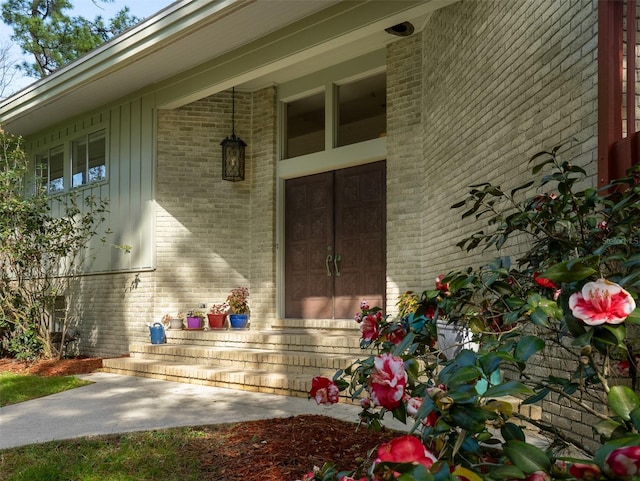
(209,46)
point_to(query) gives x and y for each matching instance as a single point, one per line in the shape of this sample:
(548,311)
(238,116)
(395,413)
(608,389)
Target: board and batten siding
(129,186)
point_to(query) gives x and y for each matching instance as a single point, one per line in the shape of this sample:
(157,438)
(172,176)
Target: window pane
(97,156)
(78,162)
(305,126)
(56,169)
(362,110)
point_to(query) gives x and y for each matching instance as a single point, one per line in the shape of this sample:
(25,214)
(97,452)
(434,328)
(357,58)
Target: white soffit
(188,36)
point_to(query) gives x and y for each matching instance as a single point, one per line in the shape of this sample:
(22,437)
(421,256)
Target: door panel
(308,232)
(360,228)
(335,226)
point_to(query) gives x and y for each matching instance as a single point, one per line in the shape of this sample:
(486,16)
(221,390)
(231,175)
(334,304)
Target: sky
(87,9)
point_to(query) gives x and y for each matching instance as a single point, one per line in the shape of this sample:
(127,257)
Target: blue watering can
(157,333)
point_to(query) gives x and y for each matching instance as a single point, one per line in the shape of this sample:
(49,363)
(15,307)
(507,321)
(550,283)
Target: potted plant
(173,322)
(217,315)
(195,320)
(238,307)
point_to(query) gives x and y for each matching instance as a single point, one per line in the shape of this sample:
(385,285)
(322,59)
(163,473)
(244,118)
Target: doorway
(335,242)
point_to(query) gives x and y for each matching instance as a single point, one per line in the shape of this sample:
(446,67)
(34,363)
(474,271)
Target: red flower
(439,285)
(588,472)
(387,381)
(413,404)
(623,463)
(324,390)
(406,449)
(544,282)
(396,335)
(370,327)
(601,302)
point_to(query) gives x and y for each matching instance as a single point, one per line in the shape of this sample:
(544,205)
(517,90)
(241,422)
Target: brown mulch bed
(269,450)
(63,367)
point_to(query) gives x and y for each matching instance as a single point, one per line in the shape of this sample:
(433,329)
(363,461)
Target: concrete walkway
(118,404)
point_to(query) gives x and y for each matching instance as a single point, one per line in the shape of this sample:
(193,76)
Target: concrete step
(294,362)
(306,340)
(287,384)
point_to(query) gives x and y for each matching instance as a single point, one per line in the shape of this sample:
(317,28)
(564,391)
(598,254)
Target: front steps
(279,361)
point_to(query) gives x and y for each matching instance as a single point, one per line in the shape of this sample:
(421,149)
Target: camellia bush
(41,256)
(556,322)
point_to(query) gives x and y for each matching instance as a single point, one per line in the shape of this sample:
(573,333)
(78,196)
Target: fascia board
(178,19)
(327,30)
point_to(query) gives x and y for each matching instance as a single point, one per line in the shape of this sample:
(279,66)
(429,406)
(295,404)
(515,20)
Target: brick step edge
(249,357)
(287,384)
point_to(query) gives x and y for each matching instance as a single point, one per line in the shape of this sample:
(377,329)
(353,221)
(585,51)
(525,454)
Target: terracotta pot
(216,321)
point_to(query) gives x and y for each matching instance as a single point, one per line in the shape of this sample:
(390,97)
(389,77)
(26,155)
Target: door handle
(337,259)
(327,261)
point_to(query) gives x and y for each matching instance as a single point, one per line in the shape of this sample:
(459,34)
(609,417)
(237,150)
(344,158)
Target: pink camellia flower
(601,302)
(324,390)
(439,285)
(396,335)
(588,472)
(370,327)
(623,463)
(387,381)
(406,449)
(413,404)
(364,306)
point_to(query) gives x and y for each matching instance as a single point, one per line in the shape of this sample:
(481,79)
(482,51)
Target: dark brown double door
(335,225)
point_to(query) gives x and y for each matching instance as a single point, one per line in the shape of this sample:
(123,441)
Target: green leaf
(568,271)
(606,427)
(469,417)
(522,187)
(506,472)
(613,335)
(622,401)
(537,397)
(539,317)
(527,457)
(464,375)
(634,317)
(512,432)
(528,346)
(508,388)
(635,418)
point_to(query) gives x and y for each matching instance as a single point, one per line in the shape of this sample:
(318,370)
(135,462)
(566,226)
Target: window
(349,110)
(304,128)
(88,159)
(362,109)
(51,169)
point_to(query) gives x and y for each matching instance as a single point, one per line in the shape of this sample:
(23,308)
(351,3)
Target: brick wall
(214,235)
(499,81)
(114,310)
(482,89)
(405,169)
(263,207)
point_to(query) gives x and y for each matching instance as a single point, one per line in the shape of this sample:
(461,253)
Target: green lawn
(15,388)
(154,455)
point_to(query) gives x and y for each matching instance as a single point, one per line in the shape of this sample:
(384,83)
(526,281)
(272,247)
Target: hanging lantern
(233,150)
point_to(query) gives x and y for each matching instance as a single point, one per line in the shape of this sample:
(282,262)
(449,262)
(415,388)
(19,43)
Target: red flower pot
(216,321)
